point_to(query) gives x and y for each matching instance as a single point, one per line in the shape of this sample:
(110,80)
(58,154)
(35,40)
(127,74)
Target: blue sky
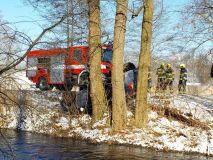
(12,9)
(175,3)
(20,15)
(16,11)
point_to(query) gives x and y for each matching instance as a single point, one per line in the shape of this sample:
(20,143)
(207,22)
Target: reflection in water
(29,146)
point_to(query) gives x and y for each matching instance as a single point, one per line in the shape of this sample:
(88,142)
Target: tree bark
(97,91)
(141,113)
(118,92)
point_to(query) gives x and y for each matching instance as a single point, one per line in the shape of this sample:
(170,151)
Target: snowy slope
(43,115)
(16,80)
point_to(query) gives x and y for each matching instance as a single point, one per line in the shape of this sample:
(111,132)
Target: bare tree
(96,86)
(74,30)
(10,52)
(141,113)
(195,28)
(31,45)
(118,92)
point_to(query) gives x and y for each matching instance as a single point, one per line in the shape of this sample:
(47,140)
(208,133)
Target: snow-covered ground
(43,114)
(16,80)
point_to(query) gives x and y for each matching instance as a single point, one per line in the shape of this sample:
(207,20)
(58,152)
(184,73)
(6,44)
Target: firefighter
(169,77)
(161,77)
(211,74)
(183,79)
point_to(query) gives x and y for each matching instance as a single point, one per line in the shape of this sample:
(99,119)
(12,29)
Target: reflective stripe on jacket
(161,72)
(183,74)
(170,74)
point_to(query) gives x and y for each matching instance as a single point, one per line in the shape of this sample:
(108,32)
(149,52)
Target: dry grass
(175,114)
(156,134)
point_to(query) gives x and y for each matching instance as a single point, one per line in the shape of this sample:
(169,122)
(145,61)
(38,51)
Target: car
(81,100)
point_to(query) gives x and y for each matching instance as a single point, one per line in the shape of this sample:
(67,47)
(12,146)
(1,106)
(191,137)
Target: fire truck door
(32,66)
(57,69)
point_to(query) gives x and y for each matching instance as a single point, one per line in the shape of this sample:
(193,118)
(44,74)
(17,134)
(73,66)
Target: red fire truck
(63,67)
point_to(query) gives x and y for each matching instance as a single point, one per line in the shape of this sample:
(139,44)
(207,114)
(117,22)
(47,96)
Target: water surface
(30,146)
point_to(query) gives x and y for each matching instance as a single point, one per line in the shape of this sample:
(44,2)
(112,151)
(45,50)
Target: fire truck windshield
(107,55)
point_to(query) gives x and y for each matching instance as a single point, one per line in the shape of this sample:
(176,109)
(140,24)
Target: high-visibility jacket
(170,74)
(161,72)
(183,74)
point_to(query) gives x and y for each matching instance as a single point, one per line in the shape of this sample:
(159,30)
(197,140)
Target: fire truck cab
(62,67)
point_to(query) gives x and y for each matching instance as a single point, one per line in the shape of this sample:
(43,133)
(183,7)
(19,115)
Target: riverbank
(27,145)
(41,113)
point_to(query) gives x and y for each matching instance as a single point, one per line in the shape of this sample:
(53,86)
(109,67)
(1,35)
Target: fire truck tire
(43,84)
(68,87)
(64,87)
(60,87)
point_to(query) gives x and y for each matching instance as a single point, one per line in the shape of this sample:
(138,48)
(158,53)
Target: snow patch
(63,123)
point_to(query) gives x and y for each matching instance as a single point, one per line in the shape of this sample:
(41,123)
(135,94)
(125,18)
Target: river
(32,146)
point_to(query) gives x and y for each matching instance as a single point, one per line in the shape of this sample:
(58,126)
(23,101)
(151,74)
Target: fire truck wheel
(43,84)
(68,87)
(64,87)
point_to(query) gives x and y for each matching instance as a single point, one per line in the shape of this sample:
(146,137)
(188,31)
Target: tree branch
(32,45)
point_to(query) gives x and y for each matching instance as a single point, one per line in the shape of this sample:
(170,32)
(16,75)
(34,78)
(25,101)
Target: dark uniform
(183,79)
(161,78)
(169,77)
(212,71)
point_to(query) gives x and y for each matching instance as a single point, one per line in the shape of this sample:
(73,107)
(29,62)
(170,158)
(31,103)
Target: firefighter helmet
(169,65)
(182,66)
(162,64)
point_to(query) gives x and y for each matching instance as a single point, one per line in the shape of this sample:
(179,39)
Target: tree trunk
(141,113)
(97,91)
(118,92)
